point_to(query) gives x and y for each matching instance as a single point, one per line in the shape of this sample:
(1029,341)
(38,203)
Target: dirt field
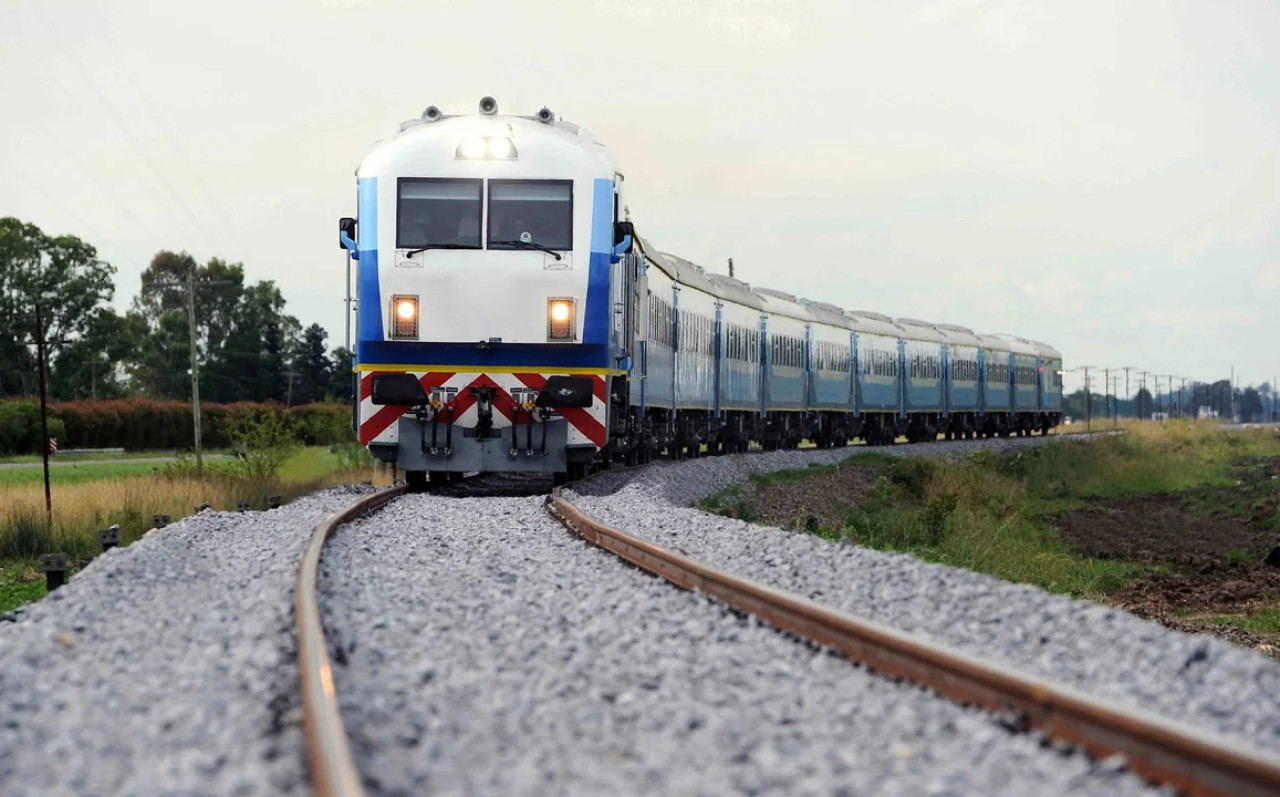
(1208,557)
(1217,543)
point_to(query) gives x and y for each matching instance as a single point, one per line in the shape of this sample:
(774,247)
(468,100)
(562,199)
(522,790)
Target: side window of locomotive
(531,212)
(443,212)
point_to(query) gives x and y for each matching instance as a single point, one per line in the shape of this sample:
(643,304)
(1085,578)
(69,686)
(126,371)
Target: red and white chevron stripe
(378,422)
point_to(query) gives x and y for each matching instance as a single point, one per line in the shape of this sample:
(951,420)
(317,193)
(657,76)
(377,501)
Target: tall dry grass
(79,510)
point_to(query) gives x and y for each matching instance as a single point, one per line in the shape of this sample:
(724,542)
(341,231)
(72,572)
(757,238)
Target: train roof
(783,304)
(735,290)
(1018,345)
(679,269)
(955,333)
(920,330)
(829,314)
(993,343)
(873,323)
(1046,350)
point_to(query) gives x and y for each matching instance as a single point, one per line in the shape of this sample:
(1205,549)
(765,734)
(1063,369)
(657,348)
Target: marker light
(560,321)
(405,322)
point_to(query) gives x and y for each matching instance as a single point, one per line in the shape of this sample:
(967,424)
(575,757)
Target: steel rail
(333,771)
(1161,750)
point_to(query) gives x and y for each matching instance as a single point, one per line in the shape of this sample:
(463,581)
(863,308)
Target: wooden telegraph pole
(195,367)
(44,413)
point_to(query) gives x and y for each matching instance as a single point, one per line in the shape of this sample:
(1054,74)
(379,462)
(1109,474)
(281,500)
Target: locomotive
(511,318)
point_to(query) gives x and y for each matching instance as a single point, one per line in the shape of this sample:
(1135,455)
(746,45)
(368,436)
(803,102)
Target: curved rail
(333,772)
(1159,749)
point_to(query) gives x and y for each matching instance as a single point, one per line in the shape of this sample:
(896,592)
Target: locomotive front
(485,247)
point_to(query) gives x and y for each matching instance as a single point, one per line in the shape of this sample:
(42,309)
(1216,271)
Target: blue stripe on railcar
(740,385)
(784,388)
(660,377)
(879,393)
(995,395)
(694,377)
(831,390)
(924,394)
(963,396)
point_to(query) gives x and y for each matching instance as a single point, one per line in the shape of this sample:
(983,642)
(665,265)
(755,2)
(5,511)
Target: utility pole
(1115,417)
(731,268)
(1106,387)
(1088,402)
(44,414)
(195,368)
(1127,369)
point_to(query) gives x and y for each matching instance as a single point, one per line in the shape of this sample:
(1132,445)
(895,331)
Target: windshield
(438,212)
(536,212)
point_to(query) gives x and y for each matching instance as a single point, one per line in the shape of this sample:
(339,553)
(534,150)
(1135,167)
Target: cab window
(438,212)
(538,212)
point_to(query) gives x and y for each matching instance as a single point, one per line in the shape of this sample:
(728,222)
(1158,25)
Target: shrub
(264,441)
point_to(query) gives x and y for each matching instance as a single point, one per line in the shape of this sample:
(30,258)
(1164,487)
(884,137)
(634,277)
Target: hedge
(138,423)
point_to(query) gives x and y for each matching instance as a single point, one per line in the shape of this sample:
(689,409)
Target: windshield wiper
(413,252)
(527,245)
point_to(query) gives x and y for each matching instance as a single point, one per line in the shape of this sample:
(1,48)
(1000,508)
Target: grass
(80,508)
(78,474)
(98,456)
(1265,621)
(991,512)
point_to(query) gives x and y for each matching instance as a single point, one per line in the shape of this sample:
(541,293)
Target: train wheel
(416,480)
(438,476)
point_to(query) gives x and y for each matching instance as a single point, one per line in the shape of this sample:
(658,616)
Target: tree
(312,370)
(64,274)
(90,366)
(162,365)
(340,377)
(252,363)
(219,287)
(1250,405)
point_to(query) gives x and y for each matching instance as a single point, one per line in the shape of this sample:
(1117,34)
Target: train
(510,317)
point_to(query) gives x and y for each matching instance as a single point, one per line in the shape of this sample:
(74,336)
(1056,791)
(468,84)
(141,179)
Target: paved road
(62,463)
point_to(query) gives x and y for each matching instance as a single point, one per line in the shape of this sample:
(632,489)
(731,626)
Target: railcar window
(438,212)
(530,211)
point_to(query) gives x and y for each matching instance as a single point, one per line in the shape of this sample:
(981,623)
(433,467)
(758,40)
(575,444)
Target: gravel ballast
(1200,680)
(480,648)
(166,667)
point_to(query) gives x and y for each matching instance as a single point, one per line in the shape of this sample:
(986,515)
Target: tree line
(1251,404)
(248,347)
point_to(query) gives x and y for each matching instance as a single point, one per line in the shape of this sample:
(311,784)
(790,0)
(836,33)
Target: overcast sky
(1098,175)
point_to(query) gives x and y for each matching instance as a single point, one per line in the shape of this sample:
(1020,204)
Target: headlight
(560,320)
(501,148)
(404,325)
(487,147)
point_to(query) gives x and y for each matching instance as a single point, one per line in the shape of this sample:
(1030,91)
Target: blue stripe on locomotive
(595,320)
(368,292)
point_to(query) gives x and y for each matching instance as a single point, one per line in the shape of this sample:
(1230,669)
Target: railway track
(1162,751)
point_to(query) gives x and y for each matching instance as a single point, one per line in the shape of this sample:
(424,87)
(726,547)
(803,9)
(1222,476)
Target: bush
(264,441)
(140,423)
(20,428)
